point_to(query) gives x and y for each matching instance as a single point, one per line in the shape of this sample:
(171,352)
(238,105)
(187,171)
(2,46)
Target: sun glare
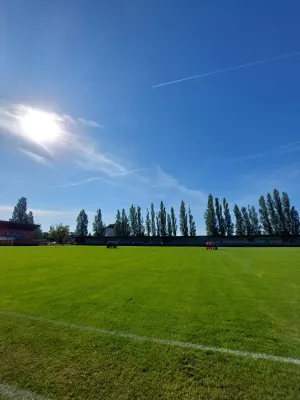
(40,126)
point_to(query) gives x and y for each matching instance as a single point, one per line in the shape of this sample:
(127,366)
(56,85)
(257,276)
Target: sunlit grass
(243,299)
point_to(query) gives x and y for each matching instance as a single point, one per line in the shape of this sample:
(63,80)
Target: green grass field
(244,299)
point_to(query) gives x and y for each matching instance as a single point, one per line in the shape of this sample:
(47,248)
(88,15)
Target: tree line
(155,223)
(133,223)
(275,216)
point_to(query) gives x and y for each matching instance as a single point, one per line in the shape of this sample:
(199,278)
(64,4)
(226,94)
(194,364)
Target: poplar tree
(169,225)
(229,227)
(99,228)
(133,221)
(264,216)
(246,222)
(148,223)
(82,224)
(118,224)
(279,212)
(192,225)
(140,223)
(174,222)
(30,219)
(254,220)
(125,226)
(210,218)
(163,219)
(153,221)
(158,229)
(20,211)
(286,205)
(295,223)
(273,215)
(239,223)
(183,220)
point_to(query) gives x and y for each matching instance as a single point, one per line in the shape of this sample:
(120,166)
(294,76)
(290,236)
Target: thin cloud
(35,157)
(36,211)
(68,118)
(89,180)
(107,181)
(89,123)
(249,187)
(4,208)
(219,71)
(70,146)
(165,180)
(265,153)
(135,171)
(91,205)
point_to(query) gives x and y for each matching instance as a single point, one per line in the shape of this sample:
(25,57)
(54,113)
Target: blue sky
(91,65)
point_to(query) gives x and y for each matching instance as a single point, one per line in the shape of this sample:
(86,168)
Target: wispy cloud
(165,181)
(70,146)
(91,205)
(68,118)
(37,158)
(36,211)
(249,187)
(89,123)
(46,217)
(267,152)
(89,180)
(4,208)
(219,71)
(108,181)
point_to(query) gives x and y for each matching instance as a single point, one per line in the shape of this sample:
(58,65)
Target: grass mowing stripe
(12,392)
(166,342)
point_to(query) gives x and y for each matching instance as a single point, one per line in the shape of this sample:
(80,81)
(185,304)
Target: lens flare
(40,126)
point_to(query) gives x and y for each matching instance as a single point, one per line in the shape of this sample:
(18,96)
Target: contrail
(86,181)
(219,71)
(264,153)
(97,178)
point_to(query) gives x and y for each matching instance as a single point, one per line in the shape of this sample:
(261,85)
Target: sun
(40,126)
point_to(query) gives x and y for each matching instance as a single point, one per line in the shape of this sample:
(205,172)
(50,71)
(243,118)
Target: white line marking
(165,342)
(19,394)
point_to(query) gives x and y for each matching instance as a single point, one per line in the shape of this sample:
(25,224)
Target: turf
(244,299)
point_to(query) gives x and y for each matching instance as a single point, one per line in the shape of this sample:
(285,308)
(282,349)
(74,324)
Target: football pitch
(149,323)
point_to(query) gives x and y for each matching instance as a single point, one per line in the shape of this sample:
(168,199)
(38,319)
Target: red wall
(17,233)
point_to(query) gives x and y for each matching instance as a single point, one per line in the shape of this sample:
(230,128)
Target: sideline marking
(239,353)
(13,392)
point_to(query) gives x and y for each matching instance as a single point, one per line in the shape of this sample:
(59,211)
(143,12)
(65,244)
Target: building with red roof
(17,231)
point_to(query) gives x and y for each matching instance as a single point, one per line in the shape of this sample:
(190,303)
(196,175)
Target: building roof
(110,226)
(18,225)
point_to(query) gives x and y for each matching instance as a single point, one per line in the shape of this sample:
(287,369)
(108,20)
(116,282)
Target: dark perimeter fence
(227,241)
